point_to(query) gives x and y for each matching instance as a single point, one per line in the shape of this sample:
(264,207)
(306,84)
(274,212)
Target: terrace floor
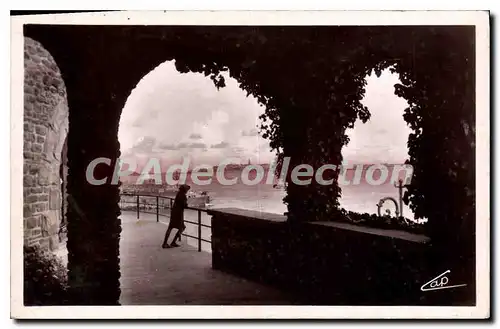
(151,275)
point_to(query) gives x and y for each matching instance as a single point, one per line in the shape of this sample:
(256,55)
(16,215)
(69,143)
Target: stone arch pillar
(45,129)
(98,83)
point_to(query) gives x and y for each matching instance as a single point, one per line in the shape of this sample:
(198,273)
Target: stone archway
(45,130)
(101,65)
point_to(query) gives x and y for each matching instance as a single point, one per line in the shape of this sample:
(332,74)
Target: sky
(382,139)
(171,115)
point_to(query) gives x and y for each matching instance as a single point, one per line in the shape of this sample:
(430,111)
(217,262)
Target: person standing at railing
(177,217)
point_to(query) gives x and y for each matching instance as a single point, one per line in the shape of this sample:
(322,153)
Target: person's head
(184,188)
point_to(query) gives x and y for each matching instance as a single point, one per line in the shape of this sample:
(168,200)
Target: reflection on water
(360,198)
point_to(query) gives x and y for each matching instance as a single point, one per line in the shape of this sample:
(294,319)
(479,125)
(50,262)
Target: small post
(137,207)
(170,203)
(157,209)
(199,230)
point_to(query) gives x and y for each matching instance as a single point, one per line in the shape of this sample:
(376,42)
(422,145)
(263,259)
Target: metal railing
(161,206)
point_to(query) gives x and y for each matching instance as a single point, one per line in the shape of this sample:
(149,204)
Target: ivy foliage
(45,278)
(311,81)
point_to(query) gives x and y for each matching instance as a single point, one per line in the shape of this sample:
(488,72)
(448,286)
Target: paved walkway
(151,275)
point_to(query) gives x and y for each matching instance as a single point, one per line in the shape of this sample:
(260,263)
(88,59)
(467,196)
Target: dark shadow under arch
(289,70)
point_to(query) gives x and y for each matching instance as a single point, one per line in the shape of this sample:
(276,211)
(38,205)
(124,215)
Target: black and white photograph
(326,163)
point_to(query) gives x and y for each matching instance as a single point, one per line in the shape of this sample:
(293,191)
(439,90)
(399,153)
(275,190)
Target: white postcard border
(478,18)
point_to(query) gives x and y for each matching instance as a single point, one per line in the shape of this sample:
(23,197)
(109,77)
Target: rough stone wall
(45,129)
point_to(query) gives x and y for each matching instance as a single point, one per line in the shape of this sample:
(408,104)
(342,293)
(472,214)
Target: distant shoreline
(265,166)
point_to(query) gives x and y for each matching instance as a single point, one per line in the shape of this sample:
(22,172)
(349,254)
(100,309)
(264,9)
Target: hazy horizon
(139,171)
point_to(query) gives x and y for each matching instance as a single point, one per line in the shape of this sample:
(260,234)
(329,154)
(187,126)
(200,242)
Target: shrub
(384,222)
(45,278)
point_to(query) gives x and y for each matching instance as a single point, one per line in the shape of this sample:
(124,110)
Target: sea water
(362,198)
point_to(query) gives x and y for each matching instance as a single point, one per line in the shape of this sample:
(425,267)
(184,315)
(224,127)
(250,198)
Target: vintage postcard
(286,165)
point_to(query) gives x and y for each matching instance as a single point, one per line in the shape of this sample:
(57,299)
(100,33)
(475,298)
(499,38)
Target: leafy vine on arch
(315,94)
(310,80)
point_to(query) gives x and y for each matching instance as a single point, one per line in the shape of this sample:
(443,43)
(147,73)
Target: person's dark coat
(177,212)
